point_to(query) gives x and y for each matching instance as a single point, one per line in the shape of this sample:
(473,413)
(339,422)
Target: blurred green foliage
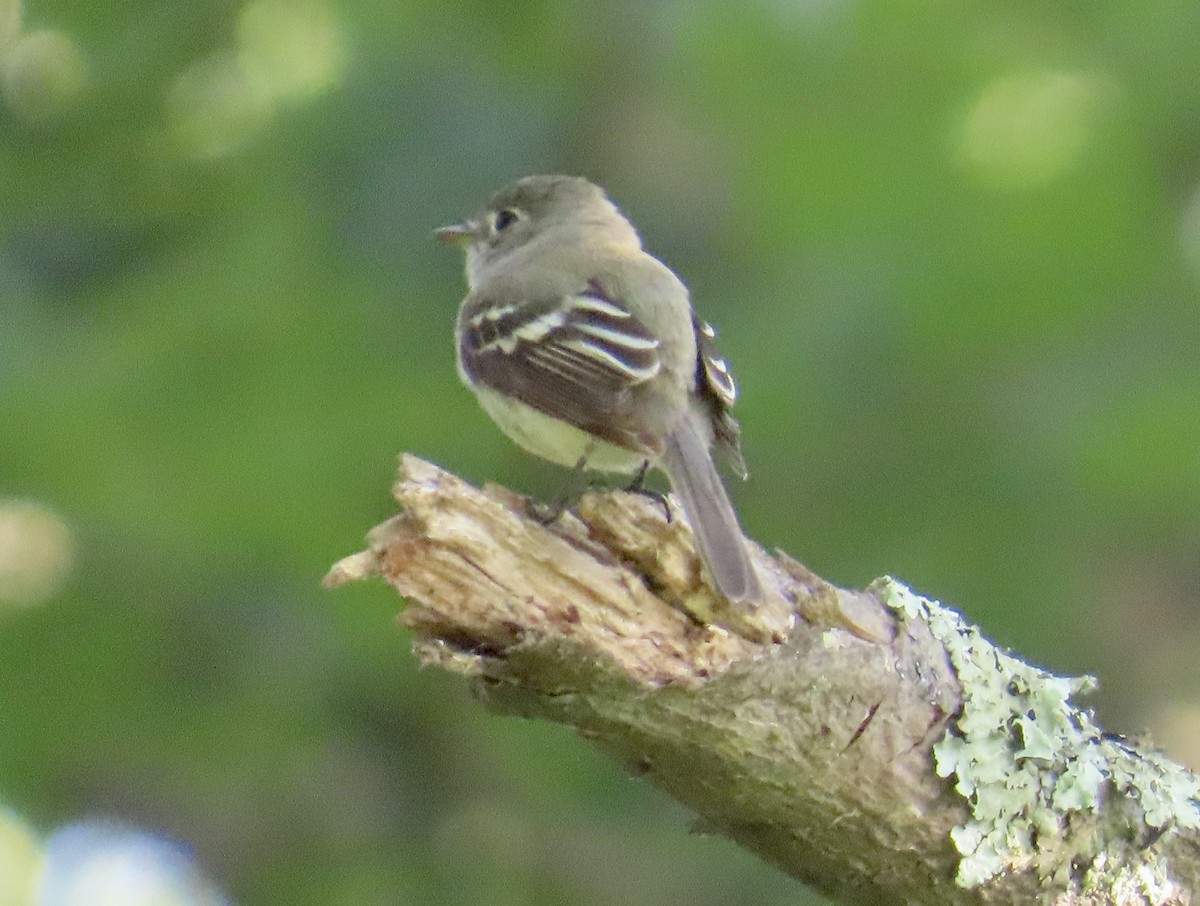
(954,250)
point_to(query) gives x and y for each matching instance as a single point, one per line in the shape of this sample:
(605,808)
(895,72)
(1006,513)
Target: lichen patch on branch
(1041,778)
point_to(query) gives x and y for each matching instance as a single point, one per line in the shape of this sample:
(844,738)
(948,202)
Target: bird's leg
(638,486)
(639,479)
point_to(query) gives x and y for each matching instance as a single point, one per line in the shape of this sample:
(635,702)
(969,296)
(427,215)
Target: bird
(586,351)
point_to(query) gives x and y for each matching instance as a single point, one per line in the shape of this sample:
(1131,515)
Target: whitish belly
(554,440)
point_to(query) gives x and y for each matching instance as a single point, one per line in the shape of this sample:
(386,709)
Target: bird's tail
(694,478)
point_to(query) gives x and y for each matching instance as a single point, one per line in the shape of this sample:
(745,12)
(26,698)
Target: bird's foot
(638,486)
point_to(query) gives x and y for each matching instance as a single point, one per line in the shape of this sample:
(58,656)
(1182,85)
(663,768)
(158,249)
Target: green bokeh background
(953,249)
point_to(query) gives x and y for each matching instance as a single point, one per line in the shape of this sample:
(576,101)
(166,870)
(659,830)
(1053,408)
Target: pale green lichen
(1027,761)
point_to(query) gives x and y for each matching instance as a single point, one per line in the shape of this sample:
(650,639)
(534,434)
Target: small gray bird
(585,350)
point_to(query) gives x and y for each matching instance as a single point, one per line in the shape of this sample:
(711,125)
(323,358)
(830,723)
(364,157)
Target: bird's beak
(458,234)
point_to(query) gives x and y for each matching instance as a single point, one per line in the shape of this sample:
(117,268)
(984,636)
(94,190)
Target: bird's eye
(506,218)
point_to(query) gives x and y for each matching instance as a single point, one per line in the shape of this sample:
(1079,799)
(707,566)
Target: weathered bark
(868,743)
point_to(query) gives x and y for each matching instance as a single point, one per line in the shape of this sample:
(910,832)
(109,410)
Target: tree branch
(868,743)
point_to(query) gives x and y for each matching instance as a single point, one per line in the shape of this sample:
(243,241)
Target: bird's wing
(575,358)
(716,386)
